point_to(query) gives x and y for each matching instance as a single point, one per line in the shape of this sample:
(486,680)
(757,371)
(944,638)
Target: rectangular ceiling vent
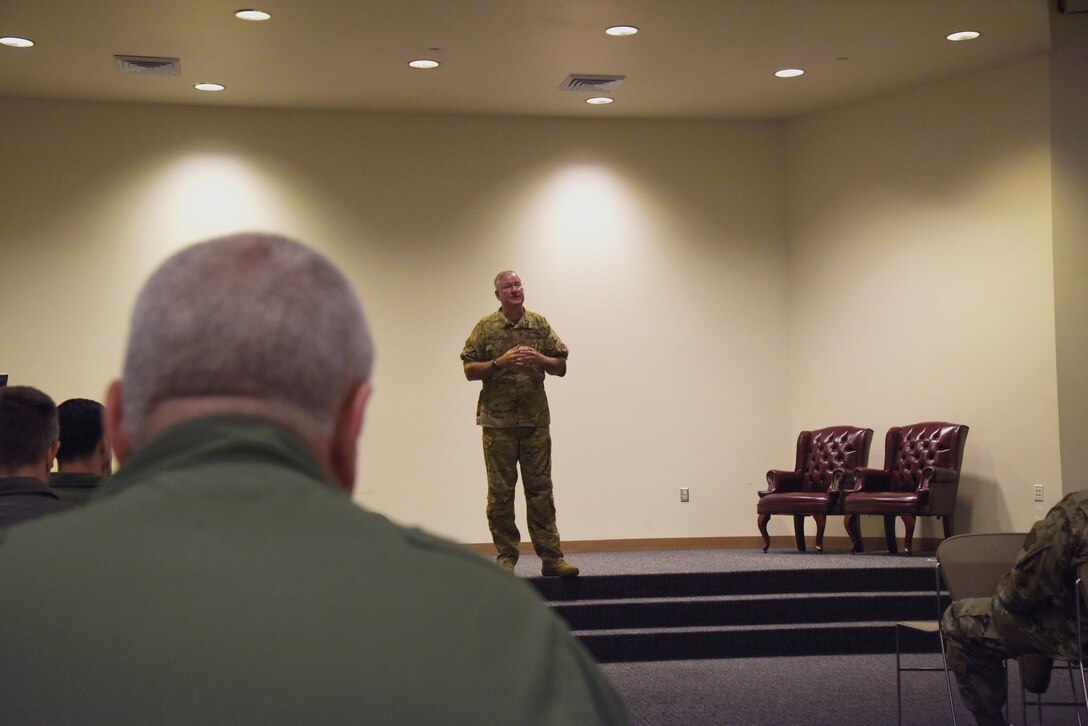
(590,84)
(148,65)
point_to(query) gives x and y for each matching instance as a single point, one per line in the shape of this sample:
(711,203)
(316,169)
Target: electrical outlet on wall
(683,494)
(1038,492)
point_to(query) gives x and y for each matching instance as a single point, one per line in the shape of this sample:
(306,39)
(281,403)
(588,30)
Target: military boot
(561,568)
(1035,670)
(506,563)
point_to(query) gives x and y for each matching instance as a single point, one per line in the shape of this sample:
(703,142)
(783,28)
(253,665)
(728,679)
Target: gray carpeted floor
(809,691)
(812,690)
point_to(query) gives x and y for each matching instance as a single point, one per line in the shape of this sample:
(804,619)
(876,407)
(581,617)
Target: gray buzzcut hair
(255,319)
(502,274)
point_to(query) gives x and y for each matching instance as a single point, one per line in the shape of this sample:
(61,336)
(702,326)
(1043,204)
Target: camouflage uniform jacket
(1037,594)
(512,397)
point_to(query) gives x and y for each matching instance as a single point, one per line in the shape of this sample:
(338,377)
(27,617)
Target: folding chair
(971,565)
(922,626)
(1080,597)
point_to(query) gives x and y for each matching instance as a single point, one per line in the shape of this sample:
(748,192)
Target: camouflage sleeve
(473,350)
(553,346)
(1042,570)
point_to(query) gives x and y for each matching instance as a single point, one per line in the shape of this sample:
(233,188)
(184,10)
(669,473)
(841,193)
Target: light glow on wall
(203,194)
(585,216)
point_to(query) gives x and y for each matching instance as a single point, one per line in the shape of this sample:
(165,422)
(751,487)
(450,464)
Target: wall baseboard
(831,544)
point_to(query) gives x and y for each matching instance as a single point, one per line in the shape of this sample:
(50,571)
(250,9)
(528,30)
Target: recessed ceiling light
(600,100)
(209,86)
(962,35)
(254,15)
(621,30)
(424,63)
(789,73)
(17,42)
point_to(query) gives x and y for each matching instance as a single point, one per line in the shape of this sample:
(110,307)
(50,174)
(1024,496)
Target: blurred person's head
(251,325)
(84,447)
(28,432)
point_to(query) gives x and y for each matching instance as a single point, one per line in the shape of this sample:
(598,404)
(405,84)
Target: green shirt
(512,397)
(220,577)
(76,488)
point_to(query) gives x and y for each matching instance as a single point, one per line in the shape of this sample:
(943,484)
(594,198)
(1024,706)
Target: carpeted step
(663,644)
(757,582)
(746,613)
(785,609)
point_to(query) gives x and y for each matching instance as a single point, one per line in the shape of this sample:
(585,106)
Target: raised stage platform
(725,636)
(730,603)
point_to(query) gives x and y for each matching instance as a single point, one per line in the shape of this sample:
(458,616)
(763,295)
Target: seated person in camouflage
(28,443)
(225,576)
(511,350)
(1031,614)
(85,456)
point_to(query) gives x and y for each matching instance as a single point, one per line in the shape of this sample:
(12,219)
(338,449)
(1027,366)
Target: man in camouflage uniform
(511,350)
(1032,613)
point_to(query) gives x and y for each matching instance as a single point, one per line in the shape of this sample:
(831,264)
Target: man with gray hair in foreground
(225,576)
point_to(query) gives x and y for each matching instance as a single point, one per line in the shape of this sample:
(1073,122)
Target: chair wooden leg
(908,539)
(889,532)
(947,522)
(853,529)
(799,531)
(761,521)
(821,522)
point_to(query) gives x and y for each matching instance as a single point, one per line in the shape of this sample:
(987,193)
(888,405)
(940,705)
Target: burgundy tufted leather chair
(826,459)
(920,477)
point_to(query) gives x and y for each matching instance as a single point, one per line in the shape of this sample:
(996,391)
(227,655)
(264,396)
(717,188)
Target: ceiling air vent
(590,84)
(148,65)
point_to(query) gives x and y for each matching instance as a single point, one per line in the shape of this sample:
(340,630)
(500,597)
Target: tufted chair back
(821,452)
(826,462)
(910,450)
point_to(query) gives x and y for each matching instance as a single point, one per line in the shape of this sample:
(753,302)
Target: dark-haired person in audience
(28,443)
(223,574)
(85,457)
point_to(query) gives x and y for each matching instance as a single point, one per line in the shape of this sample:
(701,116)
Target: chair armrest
(938,487)
(843,482)
(779,481)
(935,475)
(870,480)
(938,473)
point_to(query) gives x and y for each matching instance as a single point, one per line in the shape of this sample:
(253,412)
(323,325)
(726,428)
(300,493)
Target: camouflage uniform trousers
(504,448)
(976,650)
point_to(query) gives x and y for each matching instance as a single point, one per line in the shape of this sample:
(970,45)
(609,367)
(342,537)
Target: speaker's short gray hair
(251,317)
(502,274)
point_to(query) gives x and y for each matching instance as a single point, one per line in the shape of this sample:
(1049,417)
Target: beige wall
(921,279)
(656,249)
(721,285)
(1069,133)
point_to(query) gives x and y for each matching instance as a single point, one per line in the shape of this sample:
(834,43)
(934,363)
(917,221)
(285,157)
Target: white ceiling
(711,59)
